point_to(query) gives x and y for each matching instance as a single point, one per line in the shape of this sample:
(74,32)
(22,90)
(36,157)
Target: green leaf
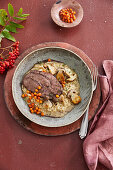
(3,12)
(8,36)
(1,36)
(2,22)
(3,17)
(6,18)
(16,25)
(18,18)
(11,28)
(6,30)
(10,9)
(20,11)
(24,15)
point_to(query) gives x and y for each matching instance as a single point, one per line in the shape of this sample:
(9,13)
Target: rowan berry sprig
(8,22)
(8,25)
(8,56)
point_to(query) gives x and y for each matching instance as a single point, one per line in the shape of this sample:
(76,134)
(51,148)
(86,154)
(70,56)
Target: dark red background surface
(21,149)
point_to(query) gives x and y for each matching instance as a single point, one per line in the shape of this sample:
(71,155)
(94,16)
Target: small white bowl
(67,4)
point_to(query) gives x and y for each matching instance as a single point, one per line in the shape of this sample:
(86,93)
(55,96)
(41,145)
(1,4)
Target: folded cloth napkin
(98,146)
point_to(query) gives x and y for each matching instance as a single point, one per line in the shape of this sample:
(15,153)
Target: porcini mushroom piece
(71,92)
(36,65)
(61,98)
(72,77)
(69,73)
(60,76)
(66,71)
(75,99)
(41,68)
(52,69)
(45,66)
(47,104)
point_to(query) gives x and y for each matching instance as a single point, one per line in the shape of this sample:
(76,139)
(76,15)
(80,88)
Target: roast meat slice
(50,86)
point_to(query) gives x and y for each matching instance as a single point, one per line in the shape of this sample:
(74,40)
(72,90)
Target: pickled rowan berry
(7,63)
(67,15)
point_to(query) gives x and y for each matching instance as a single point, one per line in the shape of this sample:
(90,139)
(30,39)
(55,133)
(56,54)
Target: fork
(84,124)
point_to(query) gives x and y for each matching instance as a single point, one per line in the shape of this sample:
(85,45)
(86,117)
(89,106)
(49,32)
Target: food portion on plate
(51,88)
(67,15)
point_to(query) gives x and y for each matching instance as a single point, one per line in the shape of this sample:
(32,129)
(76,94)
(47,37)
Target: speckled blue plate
(72,60)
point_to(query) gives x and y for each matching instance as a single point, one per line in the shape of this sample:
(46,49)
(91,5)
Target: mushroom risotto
(51,88)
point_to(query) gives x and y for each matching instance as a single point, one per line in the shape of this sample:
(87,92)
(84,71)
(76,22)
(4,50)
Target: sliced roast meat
(50,86)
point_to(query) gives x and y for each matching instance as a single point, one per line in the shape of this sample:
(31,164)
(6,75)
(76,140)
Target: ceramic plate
(73,61)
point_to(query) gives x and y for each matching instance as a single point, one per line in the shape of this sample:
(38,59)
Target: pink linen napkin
(98,146)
